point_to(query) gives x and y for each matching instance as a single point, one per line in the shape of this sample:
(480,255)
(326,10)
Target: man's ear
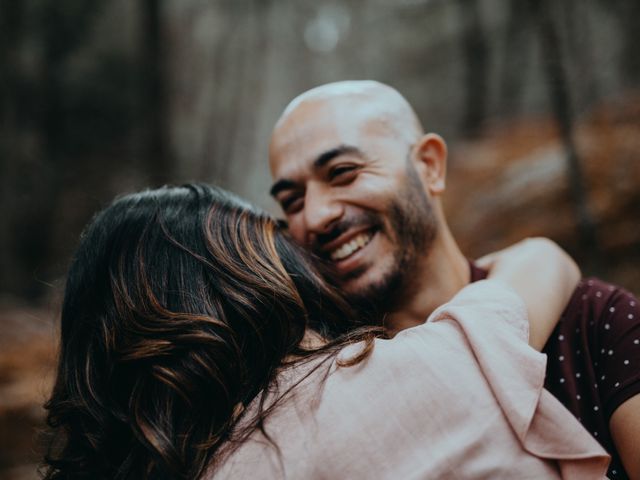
(430,154)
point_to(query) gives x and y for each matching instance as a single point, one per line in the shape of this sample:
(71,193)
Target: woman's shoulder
(490,305)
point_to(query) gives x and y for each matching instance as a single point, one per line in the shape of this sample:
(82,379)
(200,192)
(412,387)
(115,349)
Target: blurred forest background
(539,101)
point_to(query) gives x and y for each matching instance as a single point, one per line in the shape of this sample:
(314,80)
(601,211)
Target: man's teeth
(350,247)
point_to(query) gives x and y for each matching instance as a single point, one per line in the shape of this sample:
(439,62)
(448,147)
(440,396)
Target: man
(361,186)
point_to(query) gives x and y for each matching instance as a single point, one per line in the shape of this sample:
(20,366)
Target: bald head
(352,108)
(374,99)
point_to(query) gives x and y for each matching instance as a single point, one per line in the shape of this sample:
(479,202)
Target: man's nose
(321,211)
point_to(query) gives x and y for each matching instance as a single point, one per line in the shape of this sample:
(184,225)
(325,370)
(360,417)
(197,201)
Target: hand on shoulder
(543,274)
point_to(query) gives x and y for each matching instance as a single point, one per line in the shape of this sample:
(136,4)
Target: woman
(193,330)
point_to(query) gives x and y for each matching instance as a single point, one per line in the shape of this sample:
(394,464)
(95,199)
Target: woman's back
(458,397)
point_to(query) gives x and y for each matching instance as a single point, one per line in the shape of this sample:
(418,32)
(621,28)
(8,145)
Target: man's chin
(373,296)
(361,282)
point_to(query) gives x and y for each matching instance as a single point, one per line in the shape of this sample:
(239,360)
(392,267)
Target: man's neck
(441,275)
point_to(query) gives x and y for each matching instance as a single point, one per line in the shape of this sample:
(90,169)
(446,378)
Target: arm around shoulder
(543,275)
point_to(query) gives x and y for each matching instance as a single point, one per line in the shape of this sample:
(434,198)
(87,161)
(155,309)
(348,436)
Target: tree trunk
(153,93)
(561,105)
(476,58)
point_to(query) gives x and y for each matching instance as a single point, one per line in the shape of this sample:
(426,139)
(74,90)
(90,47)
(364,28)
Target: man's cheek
(298,233)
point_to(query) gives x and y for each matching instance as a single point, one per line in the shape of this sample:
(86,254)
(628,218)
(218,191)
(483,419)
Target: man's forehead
(317,119)
(345,107)
(313,128)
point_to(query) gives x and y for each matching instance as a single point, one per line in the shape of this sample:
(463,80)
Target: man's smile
(351,246)
(347,251)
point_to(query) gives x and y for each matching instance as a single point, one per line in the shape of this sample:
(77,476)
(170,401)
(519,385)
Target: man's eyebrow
(327,156)
(284,184)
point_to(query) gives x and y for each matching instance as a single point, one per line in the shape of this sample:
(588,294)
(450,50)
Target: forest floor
(27,359)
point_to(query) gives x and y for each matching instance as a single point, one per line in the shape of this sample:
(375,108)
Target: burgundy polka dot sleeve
(616,342)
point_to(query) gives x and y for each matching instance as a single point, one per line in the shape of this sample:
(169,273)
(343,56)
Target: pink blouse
(460,396)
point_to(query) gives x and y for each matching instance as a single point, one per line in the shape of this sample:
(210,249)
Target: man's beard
(411,228)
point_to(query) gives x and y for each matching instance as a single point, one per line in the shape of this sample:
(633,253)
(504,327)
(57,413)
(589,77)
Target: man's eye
(342,172)
(291,204)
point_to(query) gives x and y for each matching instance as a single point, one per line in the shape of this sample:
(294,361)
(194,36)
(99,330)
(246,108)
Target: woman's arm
(543,275)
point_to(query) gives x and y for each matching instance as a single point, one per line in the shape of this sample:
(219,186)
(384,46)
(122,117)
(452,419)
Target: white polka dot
(607,326)
(626,362)
(602,377)
(598,294)
(637,341)
(584,297)
(578,375)
(596,408)
(577,352)
(595,385)
(590,283)
(562,380)
(632,304)
(610,352)
(595,434)
(614,472)
(617,384)
(561,358)
(560,337)
(578,397)
(612,309)
(630,316)
(602,351)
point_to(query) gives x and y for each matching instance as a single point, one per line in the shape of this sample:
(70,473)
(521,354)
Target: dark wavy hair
(181,304)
